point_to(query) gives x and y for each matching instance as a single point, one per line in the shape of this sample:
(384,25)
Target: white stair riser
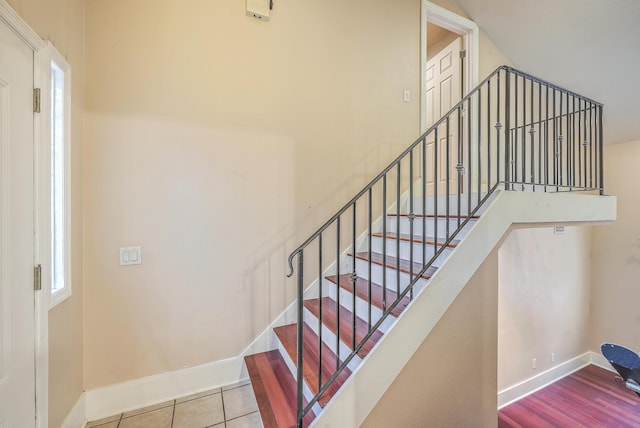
(405,226)
(362,305)
(405,249)
(442,200)
(306,391)
(362,268)
(329,338)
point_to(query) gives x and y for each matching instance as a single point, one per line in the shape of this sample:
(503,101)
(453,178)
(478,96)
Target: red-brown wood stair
(271,372)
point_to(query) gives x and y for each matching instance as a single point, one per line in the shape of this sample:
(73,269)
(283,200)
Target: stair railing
(512,132)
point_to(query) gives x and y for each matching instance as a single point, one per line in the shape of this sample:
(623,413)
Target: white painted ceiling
(591,47)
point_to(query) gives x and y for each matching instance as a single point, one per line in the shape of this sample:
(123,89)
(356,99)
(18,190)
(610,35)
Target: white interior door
(443,86)
(17,325)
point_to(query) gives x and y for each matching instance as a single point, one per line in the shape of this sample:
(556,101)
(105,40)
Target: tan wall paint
(616,294)
(218,143)
(451,379)
(544,298)
(62,23)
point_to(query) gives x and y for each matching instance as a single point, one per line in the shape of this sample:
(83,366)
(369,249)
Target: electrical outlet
(553,357)
(558,230)
(533,363)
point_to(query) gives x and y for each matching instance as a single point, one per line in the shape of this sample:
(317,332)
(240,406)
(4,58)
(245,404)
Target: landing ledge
(359,395)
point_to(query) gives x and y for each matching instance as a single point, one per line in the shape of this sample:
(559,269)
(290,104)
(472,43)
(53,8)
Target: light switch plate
(130,256)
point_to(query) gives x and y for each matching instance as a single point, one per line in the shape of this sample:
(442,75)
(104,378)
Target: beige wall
(451,379)
(218,143)
(544,298)
(62,23)
(616,293)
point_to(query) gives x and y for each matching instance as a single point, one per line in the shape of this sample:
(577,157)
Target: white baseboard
(539,381)
(134,394)
(598,360)
(77,417)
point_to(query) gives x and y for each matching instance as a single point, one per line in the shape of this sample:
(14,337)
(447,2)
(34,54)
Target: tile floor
(231,406)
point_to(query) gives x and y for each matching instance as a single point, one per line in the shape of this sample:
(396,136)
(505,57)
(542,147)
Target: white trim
(134,394)
(521,390)
(20,27)
(527,387)
(52,55)
(77,417)
(597,359)
(40,133)
(470,33)
(41,322)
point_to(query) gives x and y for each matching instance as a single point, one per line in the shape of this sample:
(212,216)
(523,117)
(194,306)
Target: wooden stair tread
(452,216)
(392,263)
(362,291)
(330,320)
(416,238)
(288,337)
(275,390)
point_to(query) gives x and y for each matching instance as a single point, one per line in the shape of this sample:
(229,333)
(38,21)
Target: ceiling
(591,47)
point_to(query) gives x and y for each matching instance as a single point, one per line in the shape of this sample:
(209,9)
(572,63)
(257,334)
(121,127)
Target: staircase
(356,275)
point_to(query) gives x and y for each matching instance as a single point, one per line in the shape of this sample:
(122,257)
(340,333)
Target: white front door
(443,92)
(17,379)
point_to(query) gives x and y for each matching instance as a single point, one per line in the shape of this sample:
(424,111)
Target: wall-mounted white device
(259,9)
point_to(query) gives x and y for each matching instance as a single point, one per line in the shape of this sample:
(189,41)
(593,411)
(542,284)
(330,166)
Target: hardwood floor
(590,397)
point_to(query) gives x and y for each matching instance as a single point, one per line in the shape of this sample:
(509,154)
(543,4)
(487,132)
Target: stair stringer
(366,385)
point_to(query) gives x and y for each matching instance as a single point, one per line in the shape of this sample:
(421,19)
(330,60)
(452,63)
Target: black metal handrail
(528,135)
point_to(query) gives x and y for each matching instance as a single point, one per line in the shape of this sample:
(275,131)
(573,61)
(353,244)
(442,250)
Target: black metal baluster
(539,133)
(572,163)
(398,233)
(488,136)
(338,294)
(411,219)
(435,189)
(459,165)
(384,243)
(580,110)
(591,132)
(498,127)
(561,139)
(532,131)
(479,149)
(299,357)
(546,139)
(354,278)
(523,178)
(600,152)
(469,170)
(320,283)
(556,154)
(447,197)
(507,131)
(370,221)
(424,199)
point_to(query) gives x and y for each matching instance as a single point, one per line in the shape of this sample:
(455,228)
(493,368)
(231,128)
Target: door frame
(470,34)
(41,323)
